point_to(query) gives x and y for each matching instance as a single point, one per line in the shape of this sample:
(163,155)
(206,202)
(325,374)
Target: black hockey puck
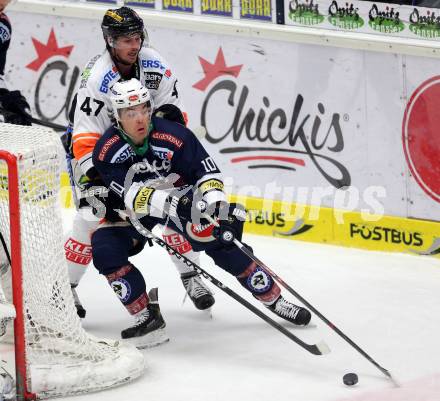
(350,379)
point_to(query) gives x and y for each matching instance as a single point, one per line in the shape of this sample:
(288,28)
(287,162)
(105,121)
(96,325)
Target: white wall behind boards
(284,120)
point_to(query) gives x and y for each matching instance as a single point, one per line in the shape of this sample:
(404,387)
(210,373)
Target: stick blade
(320,348)
(387,373)
(323,348)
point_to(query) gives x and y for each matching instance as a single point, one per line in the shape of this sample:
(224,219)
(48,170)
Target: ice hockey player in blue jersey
(157,172)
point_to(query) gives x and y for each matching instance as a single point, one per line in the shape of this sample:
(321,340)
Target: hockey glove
(182,205)
(170,112)
(15,103)
(12,118)
(93,194)
(230,219)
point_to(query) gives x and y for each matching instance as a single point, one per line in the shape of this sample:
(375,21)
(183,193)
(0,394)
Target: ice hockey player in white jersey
(126,56)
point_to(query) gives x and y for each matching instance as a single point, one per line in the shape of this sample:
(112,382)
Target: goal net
(54,355)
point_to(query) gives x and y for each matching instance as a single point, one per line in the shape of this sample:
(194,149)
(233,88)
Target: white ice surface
(387,303)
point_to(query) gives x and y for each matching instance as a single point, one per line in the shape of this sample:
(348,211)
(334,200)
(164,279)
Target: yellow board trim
(35,185)
(340,227)
(329,226)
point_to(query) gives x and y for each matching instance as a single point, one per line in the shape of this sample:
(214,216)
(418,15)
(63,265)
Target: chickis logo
(302,137)
(284,139)
(51,60)
(421,144)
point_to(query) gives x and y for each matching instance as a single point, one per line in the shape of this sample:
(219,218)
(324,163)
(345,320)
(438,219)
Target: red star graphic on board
(46,51)
(212,71)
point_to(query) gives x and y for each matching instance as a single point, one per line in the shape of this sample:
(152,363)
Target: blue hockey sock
(129,285)
(260,283)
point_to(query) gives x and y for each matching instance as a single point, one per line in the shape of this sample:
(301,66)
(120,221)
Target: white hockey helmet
(127,94)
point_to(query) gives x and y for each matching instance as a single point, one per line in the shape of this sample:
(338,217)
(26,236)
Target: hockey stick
(2,240)
(7,310)
(54,126)
(316,349)
(69,158)
(248,253)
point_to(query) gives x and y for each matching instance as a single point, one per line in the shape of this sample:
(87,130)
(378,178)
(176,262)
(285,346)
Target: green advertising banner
(365,17)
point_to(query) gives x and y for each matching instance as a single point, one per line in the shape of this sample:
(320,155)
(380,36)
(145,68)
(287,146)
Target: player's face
(135,121)
(126,48)
(3,4)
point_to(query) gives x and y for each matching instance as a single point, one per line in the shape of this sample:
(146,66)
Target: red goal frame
(17,277)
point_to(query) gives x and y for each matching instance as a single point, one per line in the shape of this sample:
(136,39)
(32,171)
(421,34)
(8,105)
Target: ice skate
(149,328)
(200,294)
(290,312)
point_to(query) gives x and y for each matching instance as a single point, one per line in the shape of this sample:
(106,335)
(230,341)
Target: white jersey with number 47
(93,112)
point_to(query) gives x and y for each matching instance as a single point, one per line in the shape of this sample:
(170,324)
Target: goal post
(16,272)
(54,355)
